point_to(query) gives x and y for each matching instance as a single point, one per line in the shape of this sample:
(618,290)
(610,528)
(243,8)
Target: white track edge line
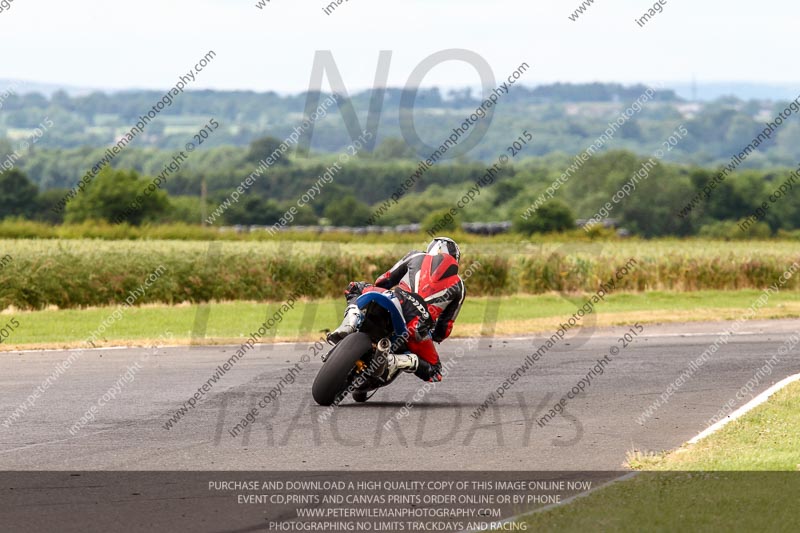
(755,402)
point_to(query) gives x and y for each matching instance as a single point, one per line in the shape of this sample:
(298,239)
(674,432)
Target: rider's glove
(355,288)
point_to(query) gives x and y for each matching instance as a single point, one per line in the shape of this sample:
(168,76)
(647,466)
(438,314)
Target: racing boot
(352,318)
(407,362)
(428,372)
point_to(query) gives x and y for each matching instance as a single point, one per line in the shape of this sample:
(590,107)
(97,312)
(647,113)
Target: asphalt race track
(595,431)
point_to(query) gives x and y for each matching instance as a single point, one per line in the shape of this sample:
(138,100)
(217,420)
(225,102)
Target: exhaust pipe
(384,345)
(383,356)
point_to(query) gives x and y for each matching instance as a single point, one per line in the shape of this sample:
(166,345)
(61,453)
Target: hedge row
(70,277)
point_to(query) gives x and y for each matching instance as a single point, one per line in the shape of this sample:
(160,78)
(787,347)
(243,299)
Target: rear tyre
(330,385)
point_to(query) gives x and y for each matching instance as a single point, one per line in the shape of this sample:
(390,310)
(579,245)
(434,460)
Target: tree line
(651,210)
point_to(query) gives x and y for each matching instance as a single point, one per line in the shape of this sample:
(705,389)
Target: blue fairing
(385,300)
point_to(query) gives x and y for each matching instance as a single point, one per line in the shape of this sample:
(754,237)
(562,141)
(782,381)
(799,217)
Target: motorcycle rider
(431,294)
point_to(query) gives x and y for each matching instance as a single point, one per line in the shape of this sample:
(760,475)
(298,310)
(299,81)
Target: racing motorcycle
(359,363)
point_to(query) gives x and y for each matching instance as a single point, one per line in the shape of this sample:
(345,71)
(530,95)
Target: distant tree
(253,210)
(17,194)
(651,209)
(394,148)
(553,216)
(460,97)
(186,209)
(413,208)
(440,221)
(44,203)
(631,130)
(737,197)
(573,128)
(110,195)
(506,191)
(61,99)
(262,148)
(347,211)
(305,217)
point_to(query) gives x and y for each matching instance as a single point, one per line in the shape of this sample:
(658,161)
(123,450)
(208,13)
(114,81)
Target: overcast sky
(148,43)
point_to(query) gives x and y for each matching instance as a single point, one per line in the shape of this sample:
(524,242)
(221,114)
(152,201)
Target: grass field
(68,274)
(393,244)
(717,484)
(516,315)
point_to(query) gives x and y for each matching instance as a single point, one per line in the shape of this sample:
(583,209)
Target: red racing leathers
(435,280)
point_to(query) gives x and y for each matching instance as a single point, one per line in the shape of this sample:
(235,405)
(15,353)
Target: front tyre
(333,379)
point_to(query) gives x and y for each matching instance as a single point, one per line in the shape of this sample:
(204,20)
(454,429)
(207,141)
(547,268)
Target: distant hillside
(46,89)
(563,118)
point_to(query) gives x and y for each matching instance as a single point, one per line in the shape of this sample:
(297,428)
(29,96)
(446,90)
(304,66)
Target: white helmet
(445,245)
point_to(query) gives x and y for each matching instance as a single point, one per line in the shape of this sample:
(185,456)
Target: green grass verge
(766,438)
(718,484)
(519,314)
